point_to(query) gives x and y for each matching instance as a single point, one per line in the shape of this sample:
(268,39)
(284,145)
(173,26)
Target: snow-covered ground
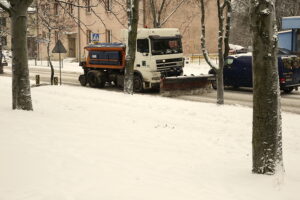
(68,65)
(81,143)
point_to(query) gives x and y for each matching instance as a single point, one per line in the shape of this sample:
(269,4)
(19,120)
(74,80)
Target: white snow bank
(236,47)
(67,65)
(82,143)
(197,67)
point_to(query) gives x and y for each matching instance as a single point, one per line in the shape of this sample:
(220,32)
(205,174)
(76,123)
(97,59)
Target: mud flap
(183,85)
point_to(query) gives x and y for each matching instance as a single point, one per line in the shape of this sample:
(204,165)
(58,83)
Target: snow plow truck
(158,64)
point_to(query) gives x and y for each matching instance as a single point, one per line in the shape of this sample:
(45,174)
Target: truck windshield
(166,46)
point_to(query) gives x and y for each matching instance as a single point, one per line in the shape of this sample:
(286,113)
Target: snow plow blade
(182,85)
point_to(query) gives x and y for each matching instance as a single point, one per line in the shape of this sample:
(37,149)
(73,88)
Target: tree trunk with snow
(21,94)
(223,42)
(267,134)
(133,18)
(49,57)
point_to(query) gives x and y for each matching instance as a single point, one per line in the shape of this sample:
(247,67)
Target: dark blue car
(238,71)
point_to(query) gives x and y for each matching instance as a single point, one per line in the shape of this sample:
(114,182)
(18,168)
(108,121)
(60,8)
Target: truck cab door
(142,57)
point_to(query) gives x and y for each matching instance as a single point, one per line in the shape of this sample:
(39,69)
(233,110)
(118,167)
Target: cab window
(143,45)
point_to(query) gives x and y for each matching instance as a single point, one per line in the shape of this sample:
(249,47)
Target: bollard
(37,80)
(1,69)
(55,80)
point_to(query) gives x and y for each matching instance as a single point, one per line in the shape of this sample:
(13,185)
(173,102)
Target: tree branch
(166,19)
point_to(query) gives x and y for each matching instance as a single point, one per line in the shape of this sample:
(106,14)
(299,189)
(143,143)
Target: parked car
(238,71)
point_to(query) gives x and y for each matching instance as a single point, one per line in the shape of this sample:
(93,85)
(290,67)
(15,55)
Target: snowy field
(81,143)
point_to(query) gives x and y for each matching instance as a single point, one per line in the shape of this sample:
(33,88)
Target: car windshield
(166,46)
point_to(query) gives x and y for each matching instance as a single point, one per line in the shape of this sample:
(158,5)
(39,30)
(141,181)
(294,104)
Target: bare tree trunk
(267,133)
(1,57)
(133,18)
(222,41)
(49,58)
(158,10)
(220,82)
(227,29)
(21,94)
(154,14)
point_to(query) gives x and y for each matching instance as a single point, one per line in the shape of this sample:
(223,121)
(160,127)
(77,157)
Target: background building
(74,21)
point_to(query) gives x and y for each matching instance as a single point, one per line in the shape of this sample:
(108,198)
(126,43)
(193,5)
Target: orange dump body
(106,56)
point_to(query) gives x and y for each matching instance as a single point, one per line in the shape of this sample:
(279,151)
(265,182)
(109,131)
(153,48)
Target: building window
(56,36)
(108,5)
(298,41)
(88,36)
(3,21)
(108,34)
(88,5)
(55,8)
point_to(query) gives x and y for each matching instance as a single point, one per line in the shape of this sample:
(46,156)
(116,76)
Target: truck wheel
(82,80)
(95,79)
(288,90)
(137,83)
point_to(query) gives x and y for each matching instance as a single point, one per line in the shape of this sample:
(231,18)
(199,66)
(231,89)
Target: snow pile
(235,47)
(82,143)
(197,67)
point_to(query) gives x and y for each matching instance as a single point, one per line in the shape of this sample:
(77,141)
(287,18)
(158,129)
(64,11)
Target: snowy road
(289,102)
(243,97)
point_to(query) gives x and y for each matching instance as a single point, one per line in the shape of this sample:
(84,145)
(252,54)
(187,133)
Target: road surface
(289,102)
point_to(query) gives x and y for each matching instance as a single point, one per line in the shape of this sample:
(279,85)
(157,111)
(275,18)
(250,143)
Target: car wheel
(235,86)
(214,85)
(288,90)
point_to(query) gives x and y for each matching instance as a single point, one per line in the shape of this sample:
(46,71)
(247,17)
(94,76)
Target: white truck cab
(158,54)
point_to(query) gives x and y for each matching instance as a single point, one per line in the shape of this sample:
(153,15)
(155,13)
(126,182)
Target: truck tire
(82,80)
(95,79)
(138,83)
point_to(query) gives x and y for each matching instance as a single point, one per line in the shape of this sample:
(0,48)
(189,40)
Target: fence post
(37,80)
(55,80)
